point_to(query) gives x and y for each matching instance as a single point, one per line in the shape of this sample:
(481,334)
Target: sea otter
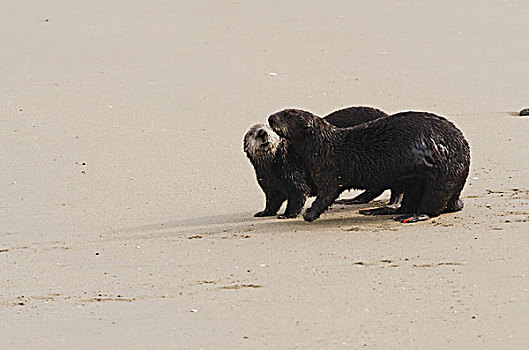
(281,173)
(419,154)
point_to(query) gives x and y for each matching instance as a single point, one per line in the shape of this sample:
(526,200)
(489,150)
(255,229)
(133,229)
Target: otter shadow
(337,218)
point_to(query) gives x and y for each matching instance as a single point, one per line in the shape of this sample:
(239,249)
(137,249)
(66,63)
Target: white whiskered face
(260,141)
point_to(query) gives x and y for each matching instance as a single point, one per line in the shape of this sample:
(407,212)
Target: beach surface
(126,206)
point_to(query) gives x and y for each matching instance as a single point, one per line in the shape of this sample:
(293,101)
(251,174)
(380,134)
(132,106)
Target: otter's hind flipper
(379,211)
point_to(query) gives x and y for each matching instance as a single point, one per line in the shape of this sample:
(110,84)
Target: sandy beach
(126,213)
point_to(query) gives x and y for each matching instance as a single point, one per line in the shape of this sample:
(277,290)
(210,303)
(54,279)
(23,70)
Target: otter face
(296,124)
(260,141)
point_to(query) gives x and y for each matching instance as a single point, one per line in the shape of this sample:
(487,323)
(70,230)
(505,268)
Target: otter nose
(261,134)
(272,119)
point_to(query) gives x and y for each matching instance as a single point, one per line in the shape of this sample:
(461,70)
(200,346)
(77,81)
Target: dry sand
(127,202)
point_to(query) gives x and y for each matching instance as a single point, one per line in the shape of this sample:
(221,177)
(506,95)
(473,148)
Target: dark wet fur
(352,116)
(282,177)
(419,154)
(282,174)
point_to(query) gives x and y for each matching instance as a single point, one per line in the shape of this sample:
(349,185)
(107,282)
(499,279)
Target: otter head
(298,125)
(260,141)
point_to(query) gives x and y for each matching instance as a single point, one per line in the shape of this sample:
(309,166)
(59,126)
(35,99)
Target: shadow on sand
(339,216)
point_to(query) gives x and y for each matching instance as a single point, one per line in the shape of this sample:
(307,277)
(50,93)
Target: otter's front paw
(310,215)
(263,213)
